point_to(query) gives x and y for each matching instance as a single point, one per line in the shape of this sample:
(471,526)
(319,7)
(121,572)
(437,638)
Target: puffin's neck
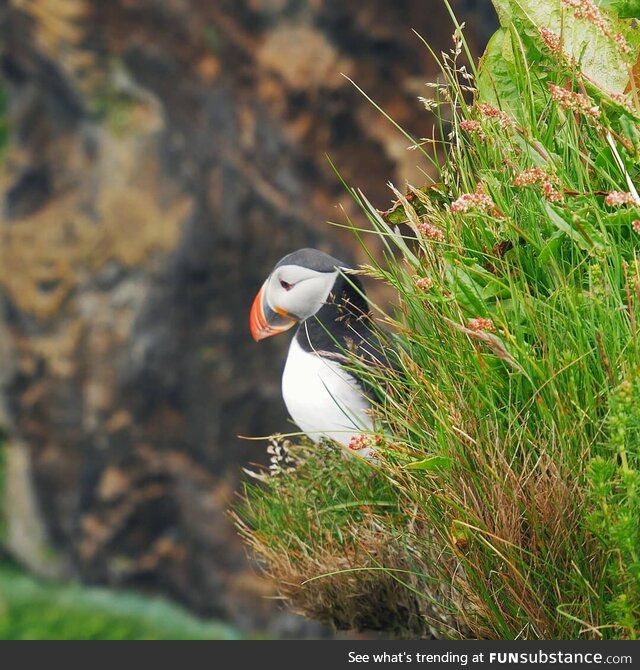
(344,318)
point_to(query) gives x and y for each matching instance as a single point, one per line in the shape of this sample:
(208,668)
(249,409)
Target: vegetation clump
(509,441)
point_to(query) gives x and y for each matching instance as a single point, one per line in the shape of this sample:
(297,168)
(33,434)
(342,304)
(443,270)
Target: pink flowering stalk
(531,176)
(473,128)
(481,324)
(477,201)
(585,9)
(551,41)
(550,192)
(363,445)
(358,442)
(620,198)
(538,176)
(588,10)
(495,114)
(431,232)
(574,102)
(425,283)
(636,226)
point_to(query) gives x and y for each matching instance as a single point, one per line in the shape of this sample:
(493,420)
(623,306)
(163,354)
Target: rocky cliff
(162,154)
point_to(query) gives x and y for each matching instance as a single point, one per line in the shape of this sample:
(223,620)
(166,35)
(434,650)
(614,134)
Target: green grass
(323,532)
(511,429)
(34,610)
(3,523)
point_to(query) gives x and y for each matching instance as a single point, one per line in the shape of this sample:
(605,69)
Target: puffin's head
(296,289)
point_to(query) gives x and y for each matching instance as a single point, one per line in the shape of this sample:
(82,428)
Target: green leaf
(621,219)
(584,241)
(598,54)
(497,77)
(503,10)
(624,9)
(467,290)
(630,130)
(552,247)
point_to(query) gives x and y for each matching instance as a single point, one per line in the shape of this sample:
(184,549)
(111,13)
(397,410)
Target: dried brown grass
(520,511)
(371,581)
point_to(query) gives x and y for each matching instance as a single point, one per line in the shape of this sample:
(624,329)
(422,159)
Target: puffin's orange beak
(264,321)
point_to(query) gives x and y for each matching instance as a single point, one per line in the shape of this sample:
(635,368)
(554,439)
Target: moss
(3,523)
(31,610)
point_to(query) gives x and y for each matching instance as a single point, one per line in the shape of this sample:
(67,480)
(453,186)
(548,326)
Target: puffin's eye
(286,285)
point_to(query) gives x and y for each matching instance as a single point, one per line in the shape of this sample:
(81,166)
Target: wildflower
(622,43)
(442,90)
(531,176)
(431,232)
(491,112)
(425,283)
(458,41)
(587,10)
(470,126)
(635,225)
(478,200)
(467,76)
(547,181)
(550,192)
(619,198)
(481,324)
(551,41)
(572,101)
(358,442)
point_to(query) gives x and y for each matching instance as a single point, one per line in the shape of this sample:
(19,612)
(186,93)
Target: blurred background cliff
(156,158)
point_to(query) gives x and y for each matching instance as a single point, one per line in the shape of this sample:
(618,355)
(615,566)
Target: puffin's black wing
(344,330)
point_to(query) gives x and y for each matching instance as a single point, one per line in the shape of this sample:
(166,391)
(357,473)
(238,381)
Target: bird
(327,301)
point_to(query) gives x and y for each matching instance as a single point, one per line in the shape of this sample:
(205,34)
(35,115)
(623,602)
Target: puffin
(316,291)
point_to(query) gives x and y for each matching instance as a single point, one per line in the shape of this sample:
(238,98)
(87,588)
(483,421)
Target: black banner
(333,655)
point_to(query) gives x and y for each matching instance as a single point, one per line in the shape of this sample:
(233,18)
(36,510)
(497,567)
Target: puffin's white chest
(322,398)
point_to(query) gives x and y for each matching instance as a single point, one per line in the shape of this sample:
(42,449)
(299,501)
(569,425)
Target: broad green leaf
(624,9)
(552,246)
(503,10)
(621,219)
(468,282)
(580,231)
(599,56)
(497,75)
(630,130)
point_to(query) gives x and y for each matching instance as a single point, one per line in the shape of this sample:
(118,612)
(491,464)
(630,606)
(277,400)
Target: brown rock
(303,58)
(162,155)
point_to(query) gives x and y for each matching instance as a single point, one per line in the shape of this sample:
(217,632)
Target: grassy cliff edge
(506,498)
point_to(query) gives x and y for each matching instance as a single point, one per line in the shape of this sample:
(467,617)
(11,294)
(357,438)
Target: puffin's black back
(344,324)
(344,321)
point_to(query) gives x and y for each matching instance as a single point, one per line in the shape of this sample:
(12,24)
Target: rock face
(162,155)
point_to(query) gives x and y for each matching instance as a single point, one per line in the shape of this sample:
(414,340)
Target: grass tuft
(333,536)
